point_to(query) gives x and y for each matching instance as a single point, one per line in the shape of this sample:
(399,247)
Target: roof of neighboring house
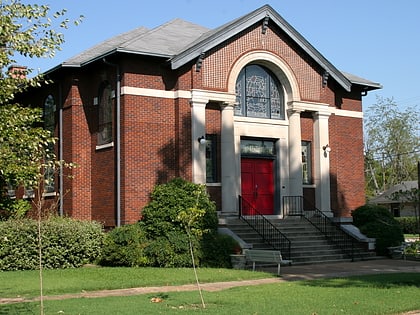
(180,42)
(385,197)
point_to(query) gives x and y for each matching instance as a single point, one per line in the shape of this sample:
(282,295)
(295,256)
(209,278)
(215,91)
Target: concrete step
(308,245)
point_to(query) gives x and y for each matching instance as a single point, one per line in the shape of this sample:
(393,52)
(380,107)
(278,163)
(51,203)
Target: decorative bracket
(199,62)
(325,77)
(265,24)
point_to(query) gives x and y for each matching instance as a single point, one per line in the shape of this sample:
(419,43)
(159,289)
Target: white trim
(278,66)
(323,108)
(104,146)
(129,90)
(228,97)
(346,113)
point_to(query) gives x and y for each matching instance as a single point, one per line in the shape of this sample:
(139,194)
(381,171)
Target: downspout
(60,148)
(118,145)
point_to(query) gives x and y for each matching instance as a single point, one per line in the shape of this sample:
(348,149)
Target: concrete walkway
(288,273)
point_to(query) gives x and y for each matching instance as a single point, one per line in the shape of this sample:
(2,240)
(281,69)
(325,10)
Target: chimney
(18,72)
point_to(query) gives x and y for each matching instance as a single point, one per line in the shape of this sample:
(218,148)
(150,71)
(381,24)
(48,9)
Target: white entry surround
(287,134)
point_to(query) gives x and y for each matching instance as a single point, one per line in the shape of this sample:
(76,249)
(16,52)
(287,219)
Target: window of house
(49,124)
(105,113)
(211,158)
(306,162)
(259,94)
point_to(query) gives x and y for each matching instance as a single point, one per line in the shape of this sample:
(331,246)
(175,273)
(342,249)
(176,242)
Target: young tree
(392,145)
(28,30)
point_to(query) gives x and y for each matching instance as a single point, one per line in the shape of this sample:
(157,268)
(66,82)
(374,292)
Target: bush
(124,246)
(66,243)
(409,225)
(377,222)
(217,249)
(169,243)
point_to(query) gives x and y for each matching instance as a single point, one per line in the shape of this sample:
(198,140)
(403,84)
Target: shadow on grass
(383,281)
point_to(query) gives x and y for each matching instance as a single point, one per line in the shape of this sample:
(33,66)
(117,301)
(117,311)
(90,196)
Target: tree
(27,30)
(392,145)
(26,149)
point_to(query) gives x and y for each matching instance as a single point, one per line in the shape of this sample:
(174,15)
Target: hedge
(66,243)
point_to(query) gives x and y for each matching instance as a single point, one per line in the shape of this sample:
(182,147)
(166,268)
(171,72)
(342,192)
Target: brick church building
(250,109)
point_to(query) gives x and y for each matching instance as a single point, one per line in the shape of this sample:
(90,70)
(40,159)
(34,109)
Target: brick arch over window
(272,62)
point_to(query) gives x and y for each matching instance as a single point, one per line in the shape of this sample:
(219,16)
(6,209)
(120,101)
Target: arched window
(49,114)
(49,124)
(259,94)
(105,113)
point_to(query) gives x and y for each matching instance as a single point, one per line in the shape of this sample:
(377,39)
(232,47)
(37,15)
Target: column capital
(227,105)
(321,114)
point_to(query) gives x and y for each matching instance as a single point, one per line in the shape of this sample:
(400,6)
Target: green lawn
(374,294)
(60,281)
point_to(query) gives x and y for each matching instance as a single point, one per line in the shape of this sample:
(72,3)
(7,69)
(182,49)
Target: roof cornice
(221,34)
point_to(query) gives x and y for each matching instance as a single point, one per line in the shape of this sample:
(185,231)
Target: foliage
(124,246)
(169,200)
(391,145)
(413,249)
(25,147)
(409,225)
(13,208)
(66,243)
(27,30)
(217,249)
(377,222)
(180,211)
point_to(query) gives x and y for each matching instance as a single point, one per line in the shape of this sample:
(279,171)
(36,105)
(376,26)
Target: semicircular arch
(280,69)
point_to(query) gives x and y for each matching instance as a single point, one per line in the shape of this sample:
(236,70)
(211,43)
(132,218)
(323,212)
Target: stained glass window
(49,124)
(105,113)
(259,94)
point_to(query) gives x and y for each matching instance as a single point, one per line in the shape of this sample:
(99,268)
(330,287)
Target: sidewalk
(288,273)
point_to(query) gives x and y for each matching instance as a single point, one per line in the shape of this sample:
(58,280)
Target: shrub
(66,243)
(377,222)
(171,251)
(169,244)
(217,249)
(13,208)
(124,246)
(413,249)
(409,225)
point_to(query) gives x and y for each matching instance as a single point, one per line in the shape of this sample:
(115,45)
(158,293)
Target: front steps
(308,245)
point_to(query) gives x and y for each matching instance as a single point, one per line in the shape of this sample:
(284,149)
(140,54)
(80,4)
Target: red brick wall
(221,59)
(346,164)
(213,126)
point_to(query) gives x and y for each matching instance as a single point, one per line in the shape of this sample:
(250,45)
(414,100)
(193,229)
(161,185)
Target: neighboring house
(400,207)
(249,109)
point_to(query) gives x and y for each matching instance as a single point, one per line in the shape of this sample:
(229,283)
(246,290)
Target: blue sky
(375,39)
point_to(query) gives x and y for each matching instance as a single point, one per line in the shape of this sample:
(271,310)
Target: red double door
(257,179)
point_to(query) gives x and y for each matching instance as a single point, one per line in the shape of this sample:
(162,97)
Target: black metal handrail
(330,229)
(269,232)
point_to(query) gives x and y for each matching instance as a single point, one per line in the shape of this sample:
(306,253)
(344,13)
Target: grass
(60,281)
(373,294)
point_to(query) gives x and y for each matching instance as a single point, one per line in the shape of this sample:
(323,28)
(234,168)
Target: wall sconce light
(326,148)
(201,140)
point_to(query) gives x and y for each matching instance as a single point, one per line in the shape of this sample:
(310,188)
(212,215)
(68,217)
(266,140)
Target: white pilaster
(295,153)
(198,129)
(228,161)
(322,162)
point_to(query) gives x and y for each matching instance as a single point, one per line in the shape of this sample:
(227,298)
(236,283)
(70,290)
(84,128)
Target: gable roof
(163,41)
(385,197)
(180,42)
